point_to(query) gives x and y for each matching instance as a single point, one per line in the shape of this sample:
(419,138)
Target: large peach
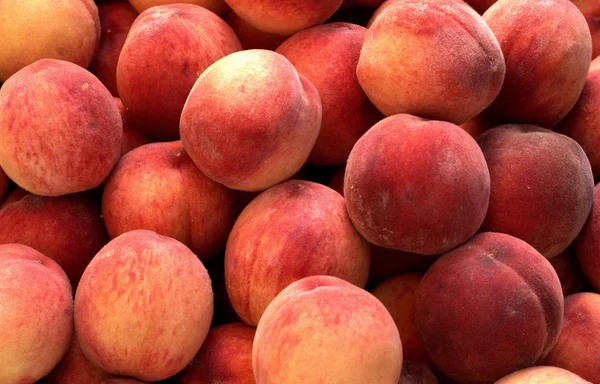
(284,17)
(251,120)
(548,49)
(68,229)
(416,185)
(542,375)
(217,6)
(347,112)
(61,130)
(225,357)
(158,187)
(578,346)
(47,29)
(591,11)
(322,329)
(587,244)
(435,59)
(166,50)
(116,18)
(541,193)
(36,313)
(143,307)
(293,230)
(488,308)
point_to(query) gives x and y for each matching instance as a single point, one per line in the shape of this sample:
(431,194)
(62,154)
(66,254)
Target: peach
(476,126)
(435,59)
(569,272)
(542,375)
(284,17)
(132,138)
(36,313)
(548,49)
(488,308)
(398,295)
(42,29)
(216,6)
(416,372)
(166,50)
(68,229)
(177,201)
(541,193)
(318,328)
(293,230)
(379,10)
(225,357)
(347,112)
(143,307)
(583,120)
(587,244)
(250,37)
(3,184)
(416,185)
(77,151)
(251,120)
(591,11)
(116,18)
(578,345)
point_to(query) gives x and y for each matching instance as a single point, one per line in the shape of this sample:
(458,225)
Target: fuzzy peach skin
(548,49)
(250,37)
(541,193)
(293,230)
(284,17)
(81,145)
(251,120)
(578,346)
(47,29)
(116,18)
(318,329)
(166,50)
(591,11)
(542,375)
(143,307)
(416,185)
(398,295)
(569,272)
(132,138)
(158,187)
(225,357)
(36,313)
(587,244)
(347,112)
(3,184)
(68,229)
(416,372)
(488,308)
(216,6)
(583,120)
(435,59)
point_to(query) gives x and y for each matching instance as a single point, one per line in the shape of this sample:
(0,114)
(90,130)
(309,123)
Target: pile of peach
(299,192)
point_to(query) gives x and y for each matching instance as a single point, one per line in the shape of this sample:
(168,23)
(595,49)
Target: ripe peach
(318,328)
(542,375)
(347,112)
(143,307)
(548,49)
(587,244)
(293,230)
(435,59)
(75,152)
(488,308)
(251,120)
(177,200)
(416,185)
(166,50)
(42,29)
(591,11)
(378,11)
(216,6)
(541,193)
(36,313)
(250,37)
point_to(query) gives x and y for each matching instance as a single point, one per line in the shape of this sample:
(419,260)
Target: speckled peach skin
(306,327)
(166,50)
(35,29)
(250,37)
(416,185)
(542,375)
(541,193)
(216,6)
(143,306)
(77,151)
(158,187)
(587,244)
(488,308)
(548,49)
(291,231)
(251,120)
(36,313)
(591,12)
(436,59)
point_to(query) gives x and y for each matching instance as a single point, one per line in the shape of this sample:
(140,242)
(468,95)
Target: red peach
(542,375)
(216,6)
(591,11)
